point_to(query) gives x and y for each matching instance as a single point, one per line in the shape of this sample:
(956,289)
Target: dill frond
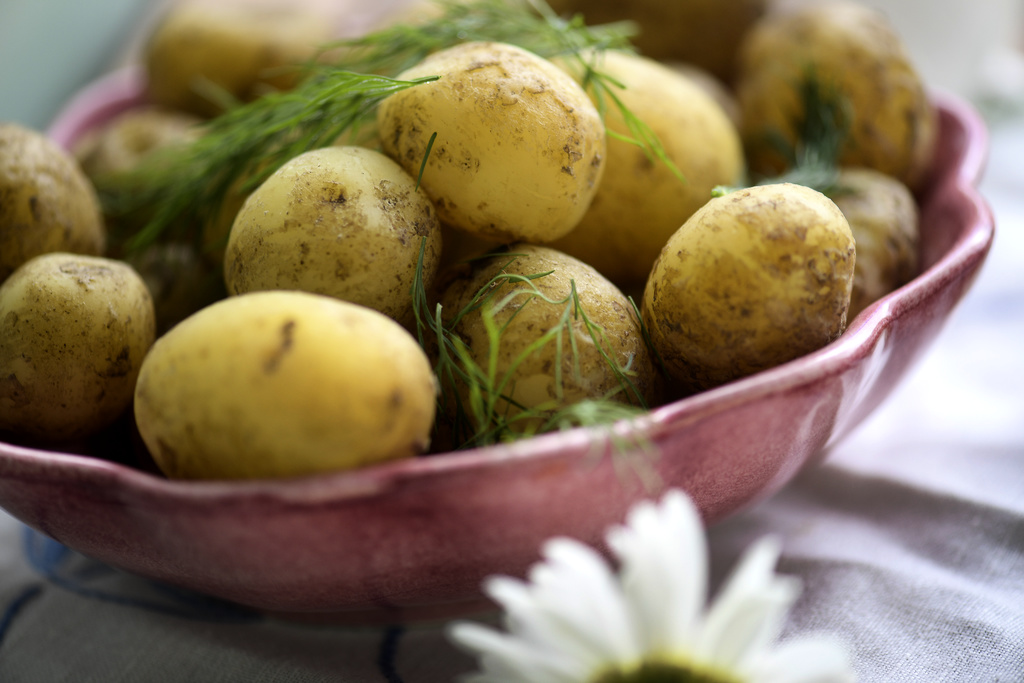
(478,399)
(180,190)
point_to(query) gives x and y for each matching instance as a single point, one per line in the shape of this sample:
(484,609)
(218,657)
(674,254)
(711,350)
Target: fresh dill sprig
(181,189)
(821,128)
(478,399)
(186,184)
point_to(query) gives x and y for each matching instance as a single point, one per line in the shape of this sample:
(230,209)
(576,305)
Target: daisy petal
(507,659)
(542,623)
(750,612)
(577,579)
(663,555)
(811,659)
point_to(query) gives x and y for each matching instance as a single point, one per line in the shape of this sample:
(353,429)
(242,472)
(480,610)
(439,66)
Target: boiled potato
(343,221)
(46,203)
(280,384)
(884,219)
(552,376)
(73,335)
(854,50)
(641,201)
(755,278)
(519,149)
(241,50)
(705,33)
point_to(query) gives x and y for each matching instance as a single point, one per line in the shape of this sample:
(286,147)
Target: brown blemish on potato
(285,345)
(120,366)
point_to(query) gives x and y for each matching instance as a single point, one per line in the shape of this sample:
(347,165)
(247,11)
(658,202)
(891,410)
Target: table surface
(909,538)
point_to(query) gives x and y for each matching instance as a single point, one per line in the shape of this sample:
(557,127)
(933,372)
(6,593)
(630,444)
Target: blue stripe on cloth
(53,561)
(15,607)
(388,652)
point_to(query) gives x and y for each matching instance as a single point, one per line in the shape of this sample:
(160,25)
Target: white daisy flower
(576,621)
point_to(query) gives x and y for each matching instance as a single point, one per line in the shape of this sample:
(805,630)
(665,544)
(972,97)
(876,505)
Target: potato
(180,281)
(73,333)
(519,149)
(755,278)
(641,202)
(884,219)
(552,376)
(46,202)
(343,221)
(129,138)
(242,50)
(853,49)
(705,33)
(281,384)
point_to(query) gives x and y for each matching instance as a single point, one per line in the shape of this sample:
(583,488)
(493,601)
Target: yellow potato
(46,203)
(241,50)
(884,219)
(551,376)
(755,278)
(347,222)
(73,333)
(705,33)
(281,384)
(853,49)
(519,148)
(641,202)
(130,137)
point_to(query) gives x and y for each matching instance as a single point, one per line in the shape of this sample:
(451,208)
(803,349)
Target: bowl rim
(120,89)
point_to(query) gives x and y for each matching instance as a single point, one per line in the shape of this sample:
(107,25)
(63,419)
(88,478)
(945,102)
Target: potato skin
(884,219)
(641,202)
(527,320)
(347,222)
(853,48)
(282,384)
(46,202)
(73,332)
(705,33)
(519,149)
(753,279)
(239,48)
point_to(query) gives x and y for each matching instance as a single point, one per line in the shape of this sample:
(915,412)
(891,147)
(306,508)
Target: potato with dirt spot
(552,376)
(46,202)
(198,53)
(347,222)
(853,50)
(884,219)
(283,384)
(519,149)
(755,278)
(641,201)
(73,332)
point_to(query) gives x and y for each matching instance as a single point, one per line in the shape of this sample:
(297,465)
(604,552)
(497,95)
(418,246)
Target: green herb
(182,189)
(821,127)
(476,402)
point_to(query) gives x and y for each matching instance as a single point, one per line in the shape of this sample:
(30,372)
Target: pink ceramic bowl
(415,538)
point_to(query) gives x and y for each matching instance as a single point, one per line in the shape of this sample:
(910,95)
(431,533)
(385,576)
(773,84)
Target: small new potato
(852,49)
(347,222)
(242,49)
(641,201)
(519,149)
(884,219)
(73,332)
(755,278)
(46,202)
(283,384)
(525,318)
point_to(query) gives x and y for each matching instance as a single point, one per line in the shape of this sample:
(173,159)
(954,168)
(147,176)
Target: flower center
(663,672)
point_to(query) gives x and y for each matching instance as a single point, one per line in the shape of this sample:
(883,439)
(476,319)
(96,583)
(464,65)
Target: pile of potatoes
(288,344)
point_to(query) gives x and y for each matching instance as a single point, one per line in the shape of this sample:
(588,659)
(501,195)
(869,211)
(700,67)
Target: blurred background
(50,48)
